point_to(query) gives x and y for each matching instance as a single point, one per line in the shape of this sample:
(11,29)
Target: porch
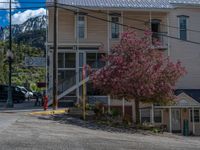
(182,114)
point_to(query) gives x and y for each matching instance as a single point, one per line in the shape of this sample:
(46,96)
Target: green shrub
(98,109)
(127,119)
(115,112)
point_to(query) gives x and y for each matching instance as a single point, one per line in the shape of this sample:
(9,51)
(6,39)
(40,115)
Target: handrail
(69,90)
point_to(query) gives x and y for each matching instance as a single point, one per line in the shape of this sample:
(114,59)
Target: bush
(127,119)
(98,109)
(156,130)
(115,112)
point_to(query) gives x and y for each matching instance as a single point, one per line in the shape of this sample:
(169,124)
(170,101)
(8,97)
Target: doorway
(176,120)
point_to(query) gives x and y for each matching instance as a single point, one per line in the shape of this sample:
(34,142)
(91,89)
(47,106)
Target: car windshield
(23,90)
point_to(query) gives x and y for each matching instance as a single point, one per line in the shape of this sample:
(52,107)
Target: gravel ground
(25,132)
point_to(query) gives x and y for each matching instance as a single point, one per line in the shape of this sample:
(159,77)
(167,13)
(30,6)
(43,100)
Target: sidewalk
(27,106)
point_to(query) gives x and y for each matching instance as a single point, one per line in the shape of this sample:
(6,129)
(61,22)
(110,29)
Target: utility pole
(55,56)
(10,59)
(84,92)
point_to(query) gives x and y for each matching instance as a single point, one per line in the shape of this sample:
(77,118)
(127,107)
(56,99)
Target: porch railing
(160,38)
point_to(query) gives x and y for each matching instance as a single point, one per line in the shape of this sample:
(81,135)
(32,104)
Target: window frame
(191,118)
(96,59)
(111,23)
(64,60)
(161,113)
(77,26)
(180,29)
(150,116)
(149,111)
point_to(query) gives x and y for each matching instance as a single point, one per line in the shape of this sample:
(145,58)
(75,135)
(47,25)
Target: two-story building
(85,26)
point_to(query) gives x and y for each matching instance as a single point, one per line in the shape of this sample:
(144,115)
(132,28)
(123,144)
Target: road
(20,131)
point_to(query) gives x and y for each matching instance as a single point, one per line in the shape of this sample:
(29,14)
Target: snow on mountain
(32,24)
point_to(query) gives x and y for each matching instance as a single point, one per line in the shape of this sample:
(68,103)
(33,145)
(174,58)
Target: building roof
(151,4)
(194,93)
(185,2)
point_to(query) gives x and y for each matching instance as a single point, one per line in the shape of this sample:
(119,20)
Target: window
(196,115)
(115,27)
(66,79)
(61,60)
(145,115)
(81,26)
(94,60)
(155,28)
(70,60)
(183,27)
(66,60)
(157,116)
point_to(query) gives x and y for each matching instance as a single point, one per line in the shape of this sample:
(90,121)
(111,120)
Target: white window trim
(75,24)
(65,52)
(153,116)
(110,26)
(191,116)
(161,116)
(187,24)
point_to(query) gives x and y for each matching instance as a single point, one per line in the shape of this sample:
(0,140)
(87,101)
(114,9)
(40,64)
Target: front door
(176,120)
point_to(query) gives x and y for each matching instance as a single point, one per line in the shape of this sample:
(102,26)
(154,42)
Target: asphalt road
(20,131)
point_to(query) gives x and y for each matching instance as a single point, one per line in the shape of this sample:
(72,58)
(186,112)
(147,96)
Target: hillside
(32,32)
(21,75)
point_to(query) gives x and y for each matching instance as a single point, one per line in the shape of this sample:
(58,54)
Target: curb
(50,112)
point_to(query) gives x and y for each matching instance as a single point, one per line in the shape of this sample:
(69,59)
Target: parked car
(17,95)
(37,94)
(28,93)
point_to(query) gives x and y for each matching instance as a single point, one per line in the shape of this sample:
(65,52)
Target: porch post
(77,75)
(123,107)
(168,39)
(170,120)
(109,104)
(193,123)
(77,57)
(152,114)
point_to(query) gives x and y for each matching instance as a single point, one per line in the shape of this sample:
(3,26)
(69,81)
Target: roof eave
(183,5)
(115,8)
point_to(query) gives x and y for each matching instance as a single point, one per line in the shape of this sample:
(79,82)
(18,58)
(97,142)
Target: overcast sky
(19,16)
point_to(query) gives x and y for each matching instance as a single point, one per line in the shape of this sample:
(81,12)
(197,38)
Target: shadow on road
(25,106)
(71,120)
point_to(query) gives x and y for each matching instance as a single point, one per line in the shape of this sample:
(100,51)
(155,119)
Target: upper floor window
(155,28)
(115,27)
(81,26)
(183,27)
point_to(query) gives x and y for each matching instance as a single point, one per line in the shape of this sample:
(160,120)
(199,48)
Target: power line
(25,2)
(102,19)
(138,20)
(139,29)
(21,8)
(132,19)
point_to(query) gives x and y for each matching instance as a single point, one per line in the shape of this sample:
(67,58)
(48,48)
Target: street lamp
(10,57)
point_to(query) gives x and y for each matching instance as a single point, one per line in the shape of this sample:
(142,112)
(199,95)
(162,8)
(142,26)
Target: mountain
(32,32)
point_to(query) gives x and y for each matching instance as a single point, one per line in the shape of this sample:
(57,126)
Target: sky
(21,15)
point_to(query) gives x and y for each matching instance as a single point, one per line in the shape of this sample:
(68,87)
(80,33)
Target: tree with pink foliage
(138,71)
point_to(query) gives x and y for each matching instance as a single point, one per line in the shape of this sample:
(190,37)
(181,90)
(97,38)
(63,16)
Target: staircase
(65,88)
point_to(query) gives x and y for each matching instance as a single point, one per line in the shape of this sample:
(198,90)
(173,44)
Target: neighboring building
(82,32)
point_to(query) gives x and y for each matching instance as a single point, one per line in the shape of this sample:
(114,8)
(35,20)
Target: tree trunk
(137,112)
